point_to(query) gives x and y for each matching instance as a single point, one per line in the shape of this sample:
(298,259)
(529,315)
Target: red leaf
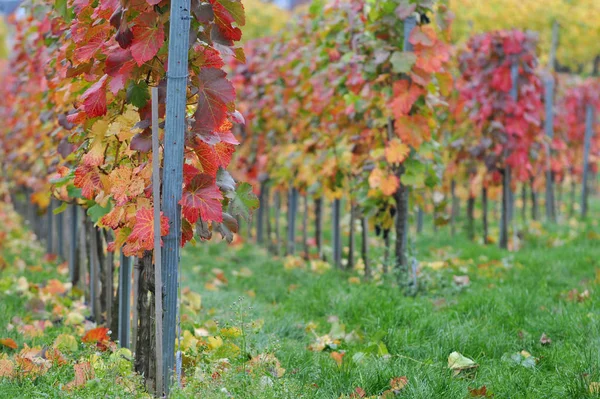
(413,130)
(202,198)
(143,230)
(422,36)
(94,98)
(88,179)
(93,41)
(208,158)
(224,152)
(224,22)
(148,38)
(501,79)
(405,95)
(99,334)
(9,343)
(216,92)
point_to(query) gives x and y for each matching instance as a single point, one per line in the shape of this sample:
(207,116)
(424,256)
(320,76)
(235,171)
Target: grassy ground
(46,323)
(549,287)
(285,328)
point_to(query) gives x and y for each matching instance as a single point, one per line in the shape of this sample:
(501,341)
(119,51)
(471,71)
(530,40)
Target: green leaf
(61,181)
(403,61)
(96,212)
(138,94)
(74,192)
(236,9)
(458,362)
(63,10)
(60,209)
(244,201)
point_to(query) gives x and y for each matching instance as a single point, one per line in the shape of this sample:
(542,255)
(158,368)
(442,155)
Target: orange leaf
(338,357)
(83,373)
(99,334)
(143,230)
(9,343)
(55,287)
(479,392)
(387,183)
(7,369)
(413,130)
(398,383)
(405,95)
(396,151)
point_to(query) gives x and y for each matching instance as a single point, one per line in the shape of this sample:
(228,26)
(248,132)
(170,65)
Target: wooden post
(124,301)
(549,128)
(94,272)
(50,228)
(277,244)
(291,224)
(135,300)
(350,264)
(305,227)
(507,193)
(589,131)
(524,202)
(471,217)
(262,212)
(454,207)
(364,225)
(60,236)
(267,212)
(175,128)
(73,238)
(336,233)
(158,285)
(484,206)
(319,226)
(420,215)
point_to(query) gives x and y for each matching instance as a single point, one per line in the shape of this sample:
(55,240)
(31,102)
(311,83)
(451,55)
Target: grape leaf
(94,98)
(142,233)
(138,94)
(148,38)
(396,151)
(215,93)
(402,61)
(244,201)
(202,198)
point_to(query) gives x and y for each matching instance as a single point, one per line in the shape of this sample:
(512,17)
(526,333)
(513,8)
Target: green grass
(504,310)
(22,257)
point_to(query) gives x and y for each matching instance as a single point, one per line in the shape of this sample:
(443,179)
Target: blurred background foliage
(579,22)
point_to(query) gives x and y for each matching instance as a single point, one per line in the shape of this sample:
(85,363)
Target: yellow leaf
(215,342)
(396,151)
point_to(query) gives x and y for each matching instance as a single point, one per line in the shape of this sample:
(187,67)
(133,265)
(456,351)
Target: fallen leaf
(55,287)
(358,393)
(9,343)
(338,357)
(83,373)
(522,358)
(398,383)
(458,363)
(480,392)
(545,340)
(98,334)
(66,342)
(54,356)
(461,281)
(594,386)
(7,369)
